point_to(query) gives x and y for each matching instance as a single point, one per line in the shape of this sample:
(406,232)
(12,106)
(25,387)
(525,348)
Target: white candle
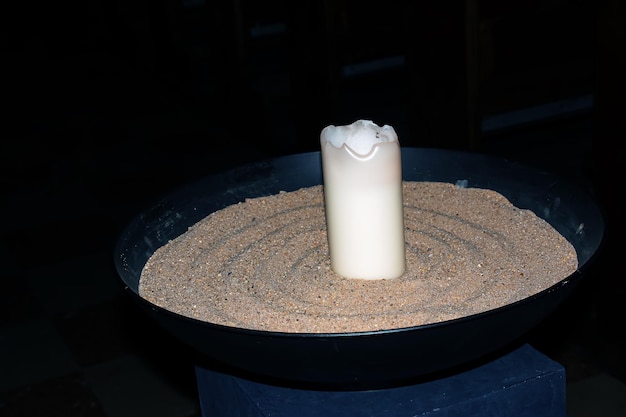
(362,172)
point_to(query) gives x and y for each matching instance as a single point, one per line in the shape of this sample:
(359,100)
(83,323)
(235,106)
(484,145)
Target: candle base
(521,383)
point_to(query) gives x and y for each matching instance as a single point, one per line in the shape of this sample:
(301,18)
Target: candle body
(363,200)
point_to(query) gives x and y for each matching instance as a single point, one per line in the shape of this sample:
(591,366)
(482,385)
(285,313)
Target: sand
(264,264)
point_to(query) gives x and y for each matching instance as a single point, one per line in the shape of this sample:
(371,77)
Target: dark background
(110,104)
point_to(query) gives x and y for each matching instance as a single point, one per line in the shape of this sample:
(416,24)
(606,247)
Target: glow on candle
(362,171)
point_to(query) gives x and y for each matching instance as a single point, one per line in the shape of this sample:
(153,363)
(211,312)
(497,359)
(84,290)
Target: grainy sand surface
(264,264)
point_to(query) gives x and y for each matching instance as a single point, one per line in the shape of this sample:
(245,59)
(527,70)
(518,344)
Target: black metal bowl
(362,360)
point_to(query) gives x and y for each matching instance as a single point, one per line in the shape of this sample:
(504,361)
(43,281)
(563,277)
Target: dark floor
(92,142)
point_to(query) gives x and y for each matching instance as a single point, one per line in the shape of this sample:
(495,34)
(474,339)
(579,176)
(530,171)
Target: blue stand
(521,383)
